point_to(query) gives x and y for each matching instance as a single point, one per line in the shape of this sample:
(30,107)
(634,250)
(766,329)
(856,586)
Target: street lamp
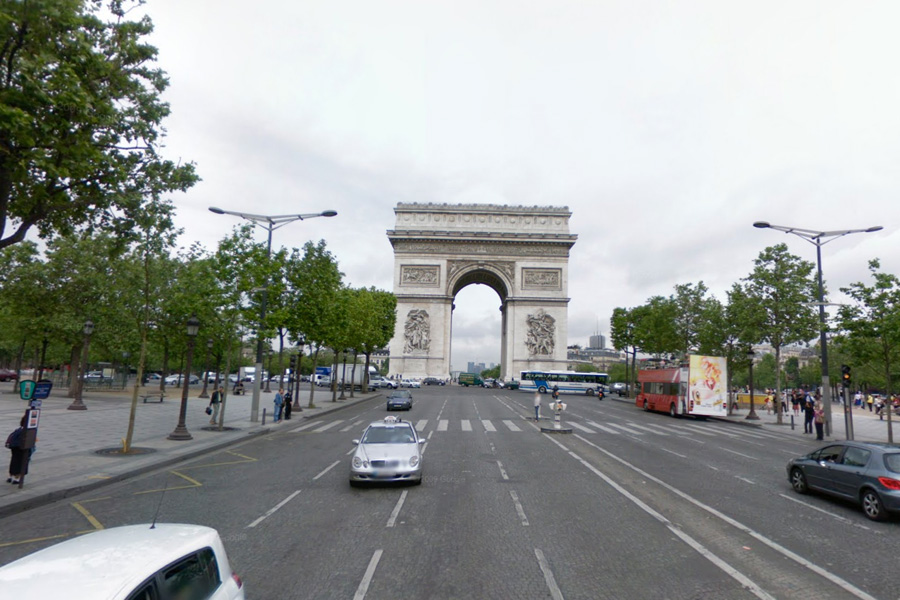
(295,374)
(819,239)
(751,416)
(78,403)
(270,223)
(181,432)
(209,345)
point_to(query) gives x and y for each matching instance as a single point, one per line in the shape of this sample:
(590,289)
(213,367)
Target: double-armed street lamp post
(181,433)
(270,223)
(751,416)
(78,403)
(819,239)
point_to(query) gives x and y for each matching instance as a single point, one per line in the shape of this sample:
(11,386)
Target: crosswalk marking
(488,426)
(602,428)
(466,425)
(420,424)
(512,426)
(581,427)
(626,429)
(645,428)
(442,425)
(351,426)
(307,426)
(700,430)
(327,426)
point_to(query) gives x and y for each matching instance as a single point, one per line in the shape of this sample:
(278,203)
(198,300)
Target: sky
(666,127)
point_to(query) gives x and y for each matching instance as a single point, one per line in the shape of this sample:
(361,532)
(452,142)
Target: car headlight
(357,462)
(413,461)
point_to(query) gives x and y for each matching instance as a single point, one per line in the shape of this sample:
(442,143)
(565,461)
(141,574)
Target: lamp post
(44,343)
(181,432)
(270,223)
(751,416)
(295,374)
(819,239)
(78,403)
(209,345)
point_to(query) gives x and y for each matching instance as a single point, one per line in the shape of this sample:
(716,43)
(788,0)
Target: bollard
(792,422)
(264,417)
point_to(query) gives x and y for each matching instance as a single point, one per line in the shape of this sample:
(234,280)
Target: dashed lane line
(502,470)
(326,469)
(555,592)
(367,577)
(396,512)
(738,453)
(272,510)
(519,510)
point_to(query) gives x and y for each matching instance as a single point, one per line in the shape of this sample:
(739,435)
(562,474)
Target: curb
(331,409)
(54,495)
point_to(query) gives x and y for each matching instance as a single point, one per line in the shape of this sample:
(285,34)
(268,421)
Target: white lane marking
(351,426)
(328,468)
(825,512)
(700,548)
(420,424)
(328,426)
(502,470)
(422,451)
(393,520)
(307,426)
(442,424)
(602,428)
(845,585)
(642,428)
(745,480)
(430,433)
(488,426)
(713,468)
(555,592)
(673,452)
(367,578)
(717,431)
(440,412)
(579,427)
(512,426)
(519,509)
(626,429)
(272,510)
(699,430)
(466,425)
(738,453)
(352,450)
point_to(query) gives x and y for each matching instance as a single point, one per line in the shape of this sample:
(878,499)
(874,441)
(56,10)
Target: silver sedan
(389,450)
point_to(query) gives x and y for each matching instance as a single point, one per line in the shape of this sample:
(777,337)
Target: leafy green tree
(655,329)
(81,114)
(690,303)
(586,368)
(379,317)
(622,334)
(492,373)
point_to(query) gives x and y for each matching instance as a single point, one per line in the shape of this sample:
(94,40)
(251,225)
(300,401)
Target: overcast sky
(667,128)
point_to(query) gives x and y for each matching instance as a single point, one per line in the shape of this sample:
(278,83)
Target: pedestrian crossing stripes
(443,424)
(466,425)
(512,426)
(328,426)
(488,426)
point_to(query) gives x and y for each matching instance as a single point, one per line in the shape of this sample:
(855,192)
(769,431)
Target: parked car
(389,450)
(410,383)
(400,400)
(867,473)
(433,381)
(512,384)
(8,375)
(488,383)
(177,380)
(620,388)
(138,562)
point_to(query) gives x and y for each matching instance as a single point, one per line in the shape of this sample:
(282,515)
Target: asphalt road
(631,505)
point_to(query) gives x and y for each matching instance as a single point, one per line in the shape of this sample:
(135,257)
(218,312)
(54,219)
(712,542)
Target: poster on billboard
(707,391)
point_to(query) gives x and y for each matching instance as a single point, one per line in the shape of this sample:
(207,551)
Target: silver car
(864,472)
(390,450)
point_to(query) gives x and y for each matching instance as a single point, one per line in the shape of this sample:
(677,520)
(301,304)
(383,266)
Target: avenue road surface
(631,505)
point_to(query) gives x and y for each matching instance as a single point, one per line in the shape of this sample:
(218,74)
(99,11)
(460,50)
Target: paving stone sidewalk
(66,461)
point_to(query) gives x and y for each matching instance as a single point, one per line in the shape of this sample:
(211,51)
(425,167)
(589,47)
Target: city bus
(695,387)
(568,382)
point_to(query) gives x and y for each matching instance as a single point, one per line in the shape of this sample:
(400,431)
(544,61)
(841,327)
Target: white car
(136,562)
(178,380)
(389,450)
(410,383)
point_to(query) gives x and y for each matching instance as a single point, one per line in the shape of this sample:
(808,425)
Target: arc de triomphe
(521,252)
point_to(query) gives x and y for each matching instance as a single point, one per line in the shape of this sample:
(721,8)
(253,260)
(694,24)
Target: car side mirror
(421,441)
(356,442)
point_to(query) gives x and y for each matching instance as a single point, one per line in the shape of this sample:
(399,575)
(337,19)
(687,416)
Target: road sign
(26,389)
(35,403)
(42,389)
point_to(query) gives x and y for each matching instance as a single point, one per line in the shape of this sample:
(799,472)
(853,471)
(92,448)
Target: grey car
(867,473)
(400,400)
(389,450)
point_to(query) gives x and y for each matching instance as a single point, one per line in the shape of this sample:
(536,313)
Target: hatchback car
(136,562)
(8,375)
(399,400)
(410,383)
(389,450)
(864,472)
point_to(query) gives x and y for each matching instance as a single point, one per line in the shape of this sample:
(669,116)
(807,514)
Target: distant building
(598,342)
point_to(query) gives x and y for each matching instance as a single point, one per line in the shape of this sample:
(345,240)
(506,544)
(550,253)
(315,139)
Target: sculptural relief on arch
(522,252)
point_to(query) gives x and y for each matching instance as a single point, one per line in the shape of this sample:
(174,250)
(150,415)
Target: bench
(153,396)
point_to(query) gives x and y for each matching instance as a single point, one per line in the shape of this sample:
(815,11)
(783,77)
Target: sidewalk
(66,463)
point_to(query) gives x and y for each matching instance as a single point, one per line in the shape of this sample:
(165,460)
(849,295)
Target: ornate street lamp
(209,345)
(78,403)
(752,416)
(181,432)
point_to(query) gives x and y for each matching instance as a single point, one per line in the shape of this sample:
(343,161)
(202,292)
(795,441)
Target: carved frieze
(420,275)
(480,248)
(541,337)
(417,331)
(541,279)
(507,267)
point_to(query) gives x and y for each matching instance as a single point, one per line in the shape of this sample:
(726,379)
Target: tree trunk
(778,398)
(334,377)
(365,389)
(19,363)
(74,366)
(312,378)
(353,374)
(165,366)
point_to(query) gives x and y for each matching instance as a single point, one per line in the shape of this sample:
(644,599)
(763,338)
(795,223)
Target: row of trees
(776,303)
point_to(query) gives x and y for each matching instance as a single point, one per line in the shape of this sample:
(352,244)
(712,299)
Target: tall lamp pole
(78,403)
(751,416)
(819,239)
(203,394)
(270,223)
(181,433)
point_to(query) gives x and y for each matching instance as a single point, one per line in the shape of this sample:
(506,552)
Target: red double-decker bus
(694,387)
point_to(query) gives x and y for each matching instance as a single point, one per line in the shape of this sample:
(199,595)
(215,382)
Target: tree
(871,327)
(623,338)
(655,331)
(689,302)
(780,289)
(378,312)
(492,373)
(81,115)
(586,368)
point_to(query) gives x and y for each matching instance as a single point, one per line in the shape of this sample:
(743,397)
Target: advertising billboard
(707,387)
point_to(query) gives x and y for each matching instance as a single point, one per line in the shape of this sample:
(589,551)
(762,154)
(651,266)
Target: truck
(467,379)
(345,373)
(697,386)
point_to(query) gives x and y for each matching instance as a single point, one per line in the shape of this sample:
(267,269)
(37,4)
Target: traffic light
(845,375)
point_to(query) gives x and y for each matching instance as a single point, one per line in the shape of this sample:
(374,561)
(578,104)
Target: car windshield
(400,395)
(388,435)
(892,462)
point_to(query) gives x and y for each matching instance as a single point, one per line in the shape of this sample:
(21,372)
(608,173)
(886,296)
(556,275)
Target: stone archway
(520,252)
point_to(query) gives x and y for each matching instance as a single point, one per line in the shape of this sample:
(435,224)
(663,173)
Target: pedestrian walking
(214,402)
(768,403)
(870,401)
(279,404)
(18,462)
(288,398)
(819,419)
(809,413)
(857,398)
(537,405)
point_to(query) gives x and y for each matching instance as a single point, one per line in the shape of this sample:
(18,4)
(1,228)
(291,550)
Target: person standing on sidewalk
(870,401)
(809,413)
(820,421)
(288,398)
(18,462)
(279,404)
(537,405)
(214,402)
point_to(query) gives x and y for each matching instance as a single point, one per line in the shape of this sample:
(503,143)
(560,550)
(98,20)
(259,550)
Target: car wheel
(672,412)
(872,506)
(542,389)
(589,391)
(798,481)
